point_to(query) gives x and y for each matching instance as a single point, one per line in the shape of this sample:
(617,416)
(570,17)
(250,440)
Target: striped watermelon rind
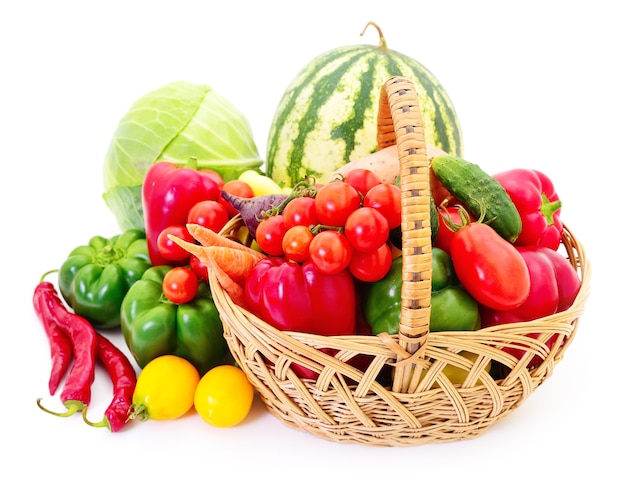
(327,115)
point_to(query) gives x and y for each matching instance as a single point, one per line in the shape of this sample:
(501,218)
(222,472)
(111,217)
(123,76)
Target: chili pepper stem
(72,408)
(102,423)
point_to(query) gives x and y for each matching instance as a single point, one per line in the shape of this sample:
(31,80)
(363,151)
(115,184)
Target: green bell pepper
(452,308)
(95,277)
(153,326)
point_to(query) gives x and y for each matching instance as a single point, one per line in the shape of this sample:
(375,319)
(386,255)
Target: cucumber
(480,193)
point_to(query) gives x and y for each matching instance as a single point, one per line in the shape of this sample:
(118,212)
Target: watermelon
(327,115)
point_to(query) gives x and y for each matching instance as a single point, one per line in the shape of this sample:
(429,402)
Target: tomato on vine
(362,179)
(180,285)
(270,233)
(209,214)
(371,266)
(386,198)
(335,201)
(296,243)
(300,211)
(330,251)
(366,229)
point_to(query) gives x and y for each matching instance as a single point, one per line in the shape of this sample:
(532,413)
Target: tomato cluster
(180,284)
(346,225)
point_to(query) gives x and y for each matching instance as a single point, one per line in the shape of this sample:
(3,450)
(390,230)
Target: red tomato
(270,233)
(489,267)
(366,229)
(199,268)
(330,252)
(386,199)
(171,251)
(210,214)
(296,243)
(362,179)
(445,234)
(236,188)
(180,285)
(371,266)
(300,211)
(335,201)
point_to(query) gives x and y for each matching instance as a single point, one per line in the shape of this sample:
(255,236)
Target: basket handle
(400,123)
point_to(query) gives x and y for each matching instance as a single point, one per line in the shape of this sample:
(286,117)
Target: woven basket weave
(417,404)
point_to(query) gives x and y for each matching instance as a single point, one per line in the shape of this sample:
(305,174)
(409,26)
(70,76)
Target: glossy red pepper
(76,393)
(554,285)
(60,344)
(168,194)
(124,380)
(538,204)
(299,298)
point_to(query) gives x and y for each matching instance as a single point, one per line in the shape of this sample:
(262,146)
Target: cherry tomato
(180,285)
(330,252)
(445,234)
(269,235)
(362,179)
(165,389)
(296,243)
(199,269)
(300,211)
(209,214)
(170,250)
(371,266)
(224,396)
(335,201)
(490,268)
(236,188)
(386,199)
(366,229)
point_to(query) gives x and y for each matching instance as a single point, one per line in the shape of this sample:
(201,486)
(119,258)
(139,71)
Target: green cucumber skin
(480,193)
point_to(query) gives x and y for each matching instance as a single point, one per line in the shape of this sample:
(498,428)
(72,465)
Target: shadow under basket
(401,395)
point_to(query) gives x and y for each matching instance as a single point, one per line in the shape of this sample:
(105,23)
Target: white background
(535,84)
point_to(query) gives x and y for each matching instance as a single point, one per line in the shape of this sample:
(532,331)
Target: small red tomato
(209,214)
(180,285)
(335,201)
(201,270)
(366,229)
(300,211)
(170,250)
(296,243)
(445,234)
(362,179)
(236,188)
(330,252)
(386,198)
(371,266)
(269,235)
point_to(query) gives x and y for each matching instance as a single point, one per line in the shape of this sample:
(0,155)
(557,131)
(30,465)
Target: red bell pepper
(297,297)
(538,204)
(169,192)
(554,285)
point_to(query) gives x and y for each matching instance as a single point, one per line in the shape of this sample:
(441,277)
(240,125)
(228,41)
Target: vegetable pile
(322,256)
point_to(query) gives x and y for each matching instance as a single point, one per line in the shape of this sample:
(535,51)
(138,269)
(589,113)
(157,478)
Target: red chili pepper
(124,380)
(76,393)
(60,345)
(168,194)
(538,204)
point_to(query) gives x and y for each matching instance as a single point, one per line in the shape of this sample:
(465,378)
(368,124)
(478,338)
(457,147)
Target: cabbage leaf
(174,123)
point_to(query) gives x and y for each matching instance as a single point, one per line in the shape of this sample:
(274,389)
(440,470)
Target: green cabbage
(174,123)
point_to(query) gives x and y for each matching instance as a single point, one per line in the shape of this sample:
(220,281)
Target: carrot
(232,288)
(209,238)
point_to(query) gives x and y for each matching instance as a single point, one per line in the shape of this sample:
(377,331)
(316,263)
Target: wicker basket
(417,404)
